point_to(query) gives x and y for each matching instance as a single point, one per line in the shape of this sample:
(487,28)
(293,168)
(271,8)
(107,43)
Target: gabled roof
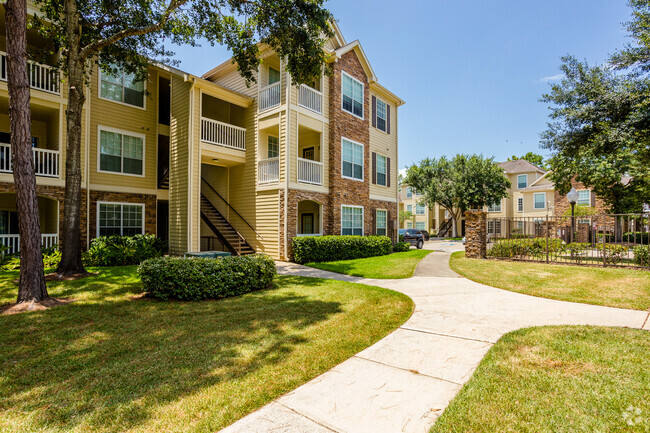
(519,166)
(356,47)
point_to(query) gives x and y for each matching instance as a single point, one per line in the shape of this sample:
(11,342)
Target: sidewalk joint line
(645,322)
(446,335)
(307,417)
(407,370)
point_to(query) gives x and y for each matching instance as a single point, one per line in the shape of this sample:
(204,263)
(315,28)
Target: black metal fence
(604,240)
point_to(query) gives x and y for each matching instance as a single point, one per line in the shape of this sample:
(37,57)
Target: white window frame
(363,97)
(99,94)
(363,160)
(409,192)
(520,204)
(535,200)
(385,118)
(362,217)
(385,211)
(409,208)
(588,191)
(424,209)
(525,176)
(101,128)
(268,137)
(409,224)
(142,205)
(385,173)
(423,223)
(493,206)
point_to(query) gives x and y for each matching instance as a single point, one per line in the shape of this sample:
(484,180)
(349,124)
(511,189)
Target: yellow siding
(385,144)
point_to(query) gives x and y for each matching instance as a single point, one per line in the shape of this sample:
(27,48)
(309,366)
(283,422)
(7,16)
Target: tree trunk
(454,230)
(71,234)
(32,281)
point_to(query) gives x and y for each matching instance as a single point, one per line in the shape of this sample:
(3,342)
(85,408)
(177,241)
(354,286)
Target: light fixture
(572,196)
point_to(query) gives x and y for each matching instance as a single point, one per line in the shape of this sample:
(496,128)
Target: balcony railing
(310,98)
(11,243)
(41,77)
(46,162)
(310,171)
(269,96)
(268,170)
(223,134)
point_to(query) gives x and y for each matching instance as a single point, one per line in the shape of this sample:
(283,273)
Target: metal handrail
(231,208)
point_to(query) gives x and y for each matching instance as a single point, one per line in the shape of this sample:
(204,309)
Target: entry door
(162,219)
(308,153)
(307,223)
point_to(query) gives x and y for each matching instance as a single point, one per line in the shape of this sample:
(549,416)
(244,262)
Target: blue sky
(471,71)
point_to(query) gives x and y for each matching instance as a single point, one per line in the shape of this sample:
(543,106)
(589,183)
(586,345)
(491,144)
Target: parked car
(414,237)
(425,234)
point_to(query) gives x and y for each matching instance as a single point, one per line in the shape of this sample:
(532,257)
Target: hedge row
(642,255)
(536,247)
(195,279)
(637,237)
(330,248)
(123,250)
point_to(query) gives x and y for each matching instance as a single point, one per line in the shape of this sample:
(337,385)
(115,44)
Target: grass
(612,287)
(392,266)
(557,379)
(109,362)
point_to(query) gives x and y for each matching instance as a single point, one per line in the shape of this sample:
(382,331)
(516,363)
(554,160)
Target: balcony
(268,170)
(269,96)
(223,134)
(10,244)
(310,99)
(310,172)
(41,77)
(46,162)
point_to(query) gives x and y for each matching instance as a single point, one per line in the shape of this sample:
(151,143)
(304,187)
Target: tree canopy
(532,157)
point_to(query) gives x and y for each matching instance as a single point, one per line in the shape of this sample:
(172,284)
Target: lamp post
(572,196)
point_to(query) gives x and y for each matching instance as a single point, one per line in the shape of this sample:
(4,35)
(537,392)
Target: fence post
(547,234)
(604,240)
(476,235)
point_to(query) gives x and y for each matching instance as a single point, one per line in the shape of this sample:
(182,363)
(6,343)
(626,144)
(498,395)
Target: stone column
(476,234)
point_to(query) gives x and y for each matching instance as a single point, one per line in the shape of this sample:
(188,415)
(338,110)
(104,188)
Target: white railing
(46,162)
(11,243)
(269,96)
(310,98)
(41,77)
(268,170)
(310,171)
(223,134)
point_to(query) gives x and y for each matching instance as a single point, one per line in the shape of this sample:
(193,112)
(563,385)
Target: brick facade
(476,235)
(562,205)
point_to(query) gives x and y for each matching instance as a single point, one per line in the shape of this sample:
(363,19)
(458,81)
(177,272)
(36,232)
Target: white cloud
(556,77)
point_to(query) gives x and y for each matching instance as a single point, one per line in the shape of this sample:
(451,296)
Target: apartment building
(208,163)
(437,221)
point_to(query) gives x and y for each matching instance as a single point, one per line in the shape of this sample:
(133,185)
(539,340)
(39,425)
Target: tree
(405,216)
(31,286)
(531,157)
(458,184)
(127,35)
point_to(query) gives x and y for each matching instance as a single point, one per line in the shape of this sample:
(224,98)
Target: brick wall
(476,234)
(150,206)
(562,204)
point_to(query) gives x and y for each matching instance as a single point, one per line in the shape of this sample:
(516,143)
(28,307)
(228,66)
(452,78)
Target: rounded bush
(642,255)
(401,247)
(330,248)
(123,250)
(195,279)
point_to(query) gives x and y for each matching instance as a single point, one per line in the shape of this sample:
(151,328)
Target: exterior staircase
(226,233)
(445,228)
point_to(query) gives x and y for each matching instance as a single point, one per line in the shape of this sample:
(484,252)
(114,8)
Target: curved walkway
(404,382)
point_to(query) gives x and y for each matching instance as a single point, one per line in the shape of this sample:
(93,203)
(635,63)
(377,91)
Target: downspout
(287,167)
(190,143)
(87,163)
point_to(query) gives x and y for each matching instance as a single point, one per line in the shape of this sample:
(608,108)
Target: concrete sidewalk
(405,381)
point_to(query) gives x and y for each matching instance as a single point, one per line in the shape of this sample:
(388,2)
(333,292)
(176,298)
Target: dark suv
(414,237)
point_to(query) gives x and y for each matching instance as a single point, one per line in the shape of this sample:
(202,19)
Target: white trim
(363,160)
(362,217)
(99,92)
(386,174)
(535,201)
(123,132)
(363,97)
(385,228)
(522,204)
(518,187)
(500,207)
(385,131)
(144,217)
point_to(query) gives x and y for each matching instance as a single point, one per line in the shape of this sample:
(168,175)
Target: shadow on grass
(109,365)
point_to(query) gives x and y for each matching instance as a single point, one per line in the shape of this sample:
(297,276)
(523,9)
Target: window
(494,227)
(522,181)
(8,222)
(382,222)
(409,192)
(381,115)
(520,204)
(122,87)
(352,160)
(352,95)
(120,219)
(273,146)
(352,220)
(409,224)
(274,76)
(420,225)
(495,207)
(540,200)
(381,170)
(409,208)
(584,198)
(419,209)
(520,226)
(121,153)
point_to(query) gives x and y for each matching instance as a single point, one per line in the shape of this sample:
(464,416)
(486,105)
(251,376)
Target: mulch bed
(34,306)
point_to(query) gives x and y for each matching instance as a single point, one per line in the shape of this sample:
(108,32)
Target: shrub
(578,250)
(536,247)
(51,259)
(614,253)
(637,237)
(195,279)
(123,250)
(330,248)
(401,247)
(642,255)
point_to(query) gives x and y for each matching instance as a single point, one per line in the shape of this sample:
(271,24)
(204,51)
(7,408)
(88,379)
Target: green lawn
(396,265)
(111,363)
(613,287)
(555,380)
